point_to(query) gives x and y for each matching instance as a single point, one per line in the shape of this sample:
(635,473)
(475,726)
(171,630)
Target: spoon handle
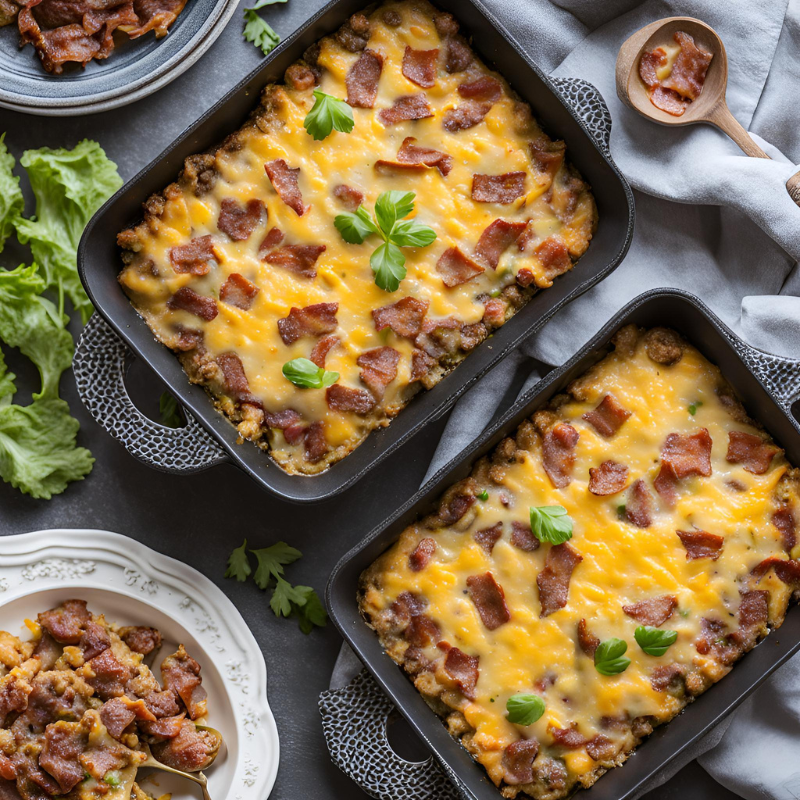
(727,123)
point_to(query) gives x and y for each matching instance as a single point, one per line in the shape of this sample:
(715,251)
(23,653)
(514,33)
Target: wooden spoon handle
(727,123)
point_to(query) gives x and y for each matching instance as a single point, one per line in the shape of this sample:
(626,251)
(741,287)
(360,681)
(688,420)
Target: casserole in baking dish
(240,266)
(605,564)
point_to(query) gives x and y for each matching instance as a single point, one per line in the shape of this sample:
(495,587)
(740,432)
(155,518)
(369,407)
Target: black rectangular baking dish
(99,258)
(690,317)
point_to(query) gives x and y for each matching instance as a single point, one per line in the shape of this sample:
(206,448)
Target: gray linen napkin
(709,220)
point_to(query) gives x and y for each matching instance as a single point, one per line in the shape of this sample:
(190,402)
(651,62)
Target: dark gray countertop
(200,518)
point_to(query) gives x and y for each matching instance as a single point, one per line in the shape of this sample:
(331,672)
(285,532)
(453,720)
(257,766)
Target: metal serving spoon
(710,107)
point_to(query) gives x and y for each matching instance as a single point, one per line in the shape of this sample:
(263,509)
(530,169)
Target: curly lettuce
(11,200)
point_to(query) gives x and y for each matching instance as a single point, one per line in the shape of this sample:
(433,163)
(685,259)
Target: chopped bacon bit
(238,291)
(458,55)
(65,623)
(654,611)
(751,451)
(688,455)
(787,570)
(518,758)
(601,748)
(94,640)
(553,580)
(235,379)
(463,670)
(239,223)
(608,417)
(350,197)
(494,312)
(362,79)
(316,445)
(727,647)
(469,114)
(282,420)
(554,257)
(586,639)
(666,484)
(419,66)
(525,277)
(667,677)
(110,675)
(558,453)
(345,398)
(404,317)
(164,728)
(522,537)
(753,608)
(379,368)
(487,537)
(407,605)
(607,479)
(421,555)
(701,544)
(421,364)
(297,258)
(422,631)
(668,100)
(58,46)
(408,107)
(649,64)
(63,744)
(457,268)
(486,89)
(309,321)
(410,153)
(181,675)
(322,348)
(273,238)
(638,509)
(188,338)
(193,257)
(384,167)
(284,181)
(453,510)
(690,67)
(489,599)
(784,520)
(502,189)
(497,238)
(663,346)
(187,299)
(155,15)
(547,155)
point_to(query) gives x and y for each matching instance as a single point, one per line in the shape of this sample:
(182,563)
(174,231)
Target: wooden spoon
(710,107)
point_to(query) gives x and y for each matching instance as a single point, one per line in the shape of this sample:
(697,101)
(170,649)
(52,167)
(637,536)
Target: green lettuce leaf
(69,186)
(7,387)
(11,201)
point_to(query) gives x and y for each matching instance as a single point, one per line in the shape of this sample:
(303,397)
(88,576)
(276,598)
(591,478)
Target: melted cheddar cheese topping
(558,205)
(621,565)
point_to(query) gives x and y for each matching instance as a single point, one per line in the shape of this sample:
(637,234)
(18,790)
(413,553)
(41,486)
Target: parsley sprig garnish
(609,657)
(257,30)
(286,600)
(387,261)
(654,641)
(305,373)
(328,114)
(551,524)
(524,709)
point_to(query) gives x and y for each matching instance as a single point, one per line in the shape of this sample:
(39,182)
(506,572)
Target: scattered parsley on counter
(609,657)
(524,709)
(654,641)
(328,114)
(286,600)
(170,411)
(551,524)
(305,373)
(259,32)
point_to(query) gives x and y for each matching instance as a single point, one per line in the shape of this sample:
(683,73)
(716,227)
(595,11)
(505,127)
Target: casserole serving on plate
(625,536)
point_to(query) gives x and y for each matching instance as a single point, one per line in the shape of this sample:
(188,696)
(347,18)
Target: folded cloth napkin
(709,220)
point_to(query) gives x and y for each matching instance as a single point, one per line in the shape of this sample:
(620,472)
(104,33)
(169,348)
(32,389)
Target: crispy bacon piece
(522,537)
(586,639)
(547,155)
(701,544)
(162,704)
(467,115)
(407,605)
(140,638)
(181,675)
(666,484)
(297,258)
(68,43)
(457,268)
(419,66)
(503,189)
(688,455)
(489,599)
(454,508)
(119,712)
(188,338)
(362,79)
(65,623)
(235,379)
(421,364)
(462,670)
(608,417)
(558,453)
(410,153)
(385,167)
(379,368)
(284,181)
(189,751)
(316,445)
(240,222)
(639,506)
(238,291)
(784,520)
(64,742)
(787,570)
(668,677)
(554,257)
(110,675)
(155,15)
(607,479)
(345,398)
(654,611)
(350,197)
(283,420)
(421,555)
(273,238)
(404,317)
(727,647)
(486,89)
(194,256)
(164,728)
(487,537)
(553,580)
(668,100)
(690,67)
(94,640)
(751,451)
(322,348)
(422,631)
(189,300)
(518,758)
(408,107)
(649,64)
(496,239)
(309,321)
(599,747)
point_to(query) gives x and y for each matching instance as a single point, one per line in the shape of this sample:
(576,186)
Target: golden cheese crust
(237,266)
(685,518)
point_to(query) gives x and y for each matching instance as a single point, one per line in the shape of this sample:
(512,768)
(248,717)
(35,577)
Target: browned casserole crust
(685,518)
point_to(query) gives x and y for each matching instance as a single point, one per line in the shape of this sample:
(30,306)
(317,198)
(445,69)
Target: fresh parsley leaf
(609,657)
(524,709)
(239,564)
(654,641)
(484,495)
(551,524)
(258,31)
(388,264)
(391,207)
(262,3)
(311,613)
(11,200)
(328,114)
(285,597)
(271,561)
(410,233)
(354,228)
(305,373)
(170,411)
(694,406)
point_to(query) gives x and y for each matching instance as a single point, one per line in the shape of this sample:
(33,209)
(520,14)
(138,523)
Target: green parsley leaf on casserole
(328,114)
(305,373)
(551,524)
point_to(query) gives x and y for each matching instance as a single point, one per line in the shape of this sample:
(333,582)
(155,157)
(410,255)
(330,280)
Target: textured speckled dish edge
(86,563)
(146,85)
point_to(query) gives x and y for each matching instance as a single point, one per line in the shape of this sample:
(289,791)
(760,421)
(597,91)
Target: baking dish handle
(100,363)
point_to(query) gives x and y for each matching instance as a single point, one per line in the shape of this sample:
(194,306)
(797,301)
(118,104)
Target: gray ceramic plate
(135,68)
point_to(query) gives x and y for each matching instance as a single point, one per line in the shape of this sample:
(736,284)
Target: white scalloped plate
(132,584)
